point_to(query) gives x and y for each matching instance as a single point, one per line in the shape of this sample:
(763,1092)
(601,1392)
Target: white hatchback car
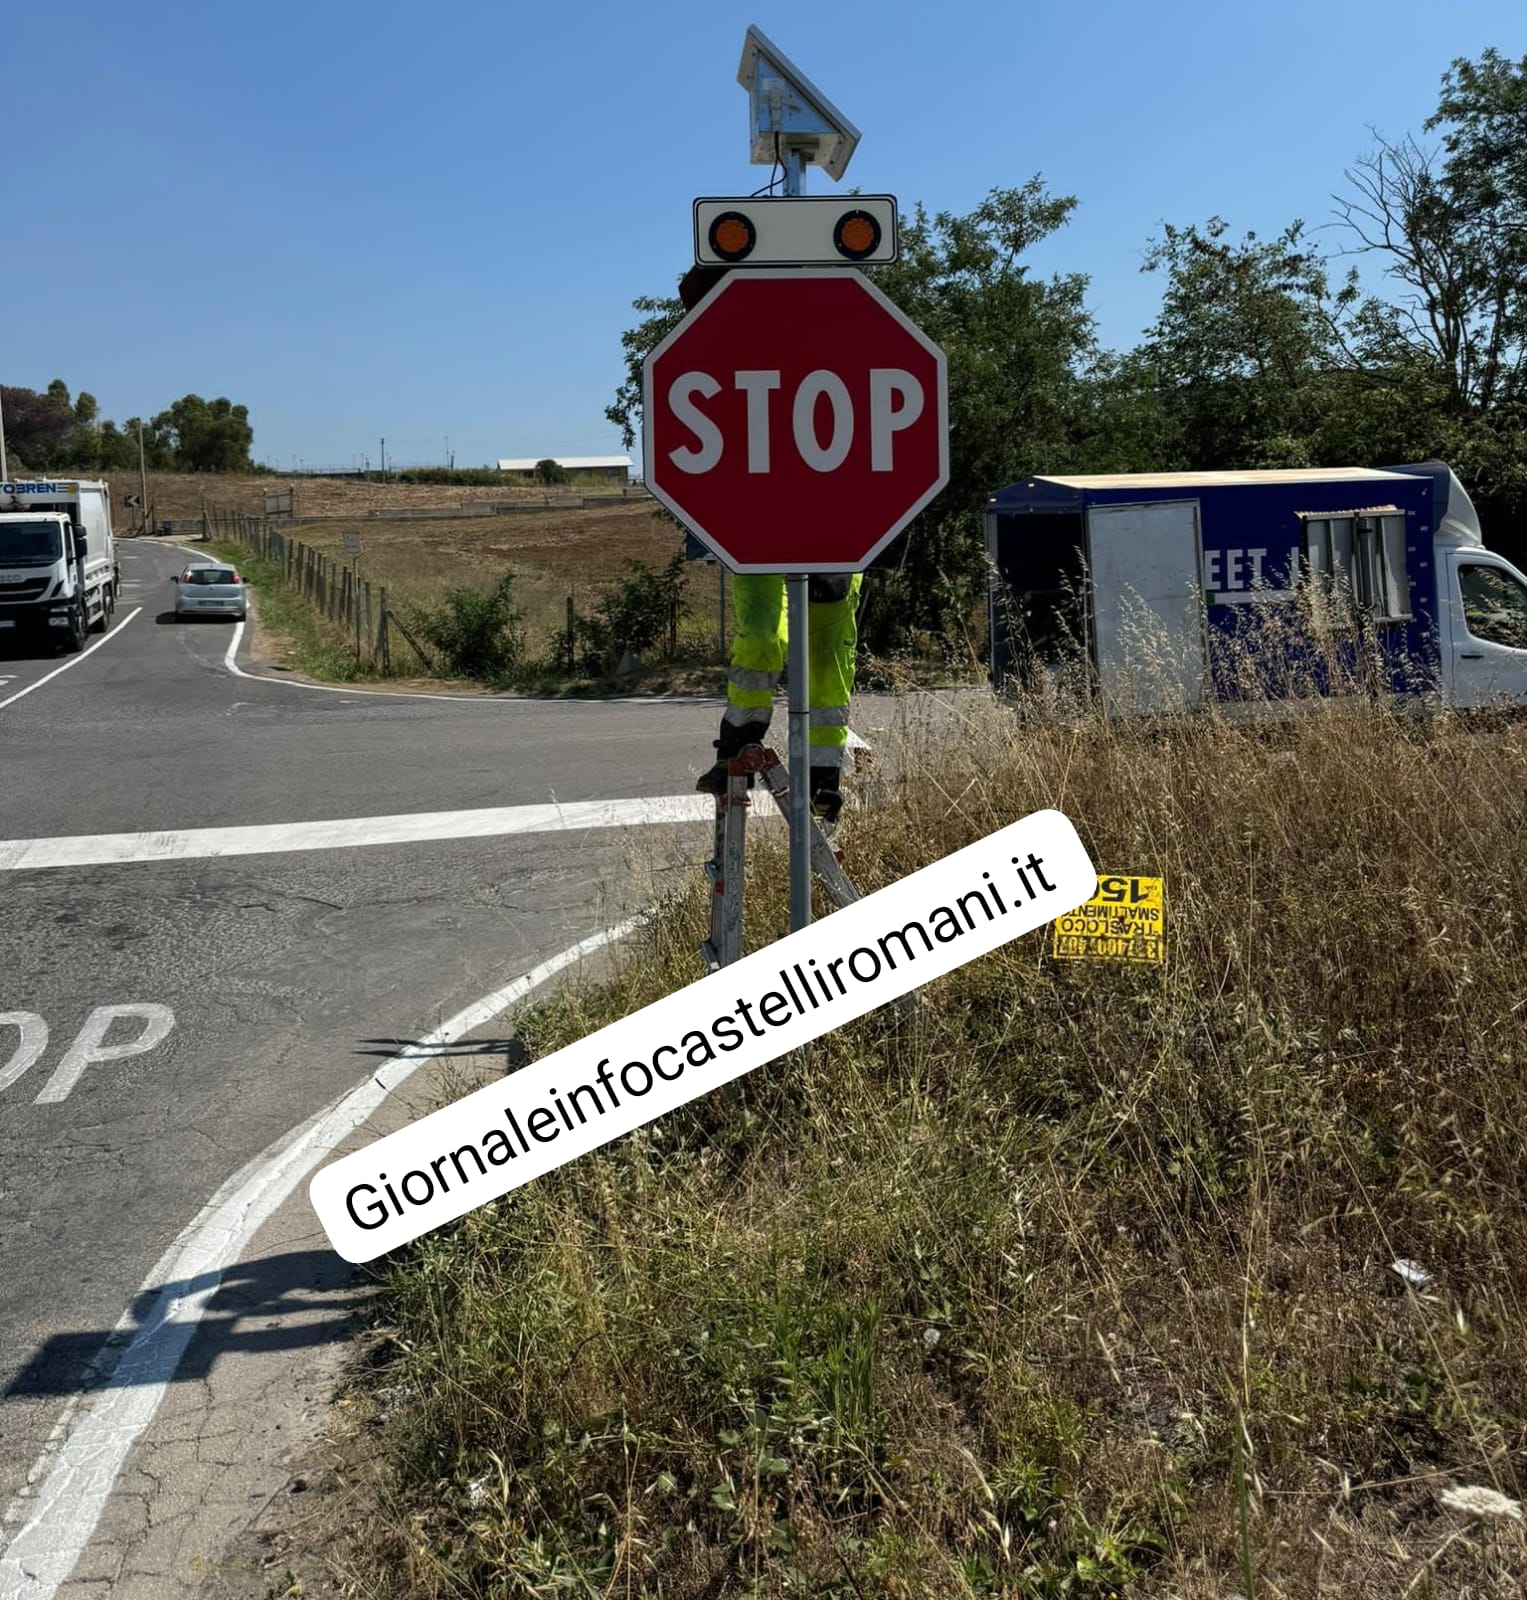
(211,589)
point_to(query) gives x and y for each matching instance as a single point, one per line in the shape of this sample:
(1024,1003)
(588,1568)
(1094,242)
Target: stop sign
(796,420)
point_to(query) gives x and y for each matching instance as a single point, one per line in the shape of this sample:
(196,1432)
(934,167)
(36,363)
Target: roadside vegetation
(1077,1281)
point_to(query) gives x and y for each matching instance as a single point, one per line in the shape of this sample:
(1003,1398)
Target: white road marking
(33,1041)
(233,650)
(73,661)
(75,1474)
(89,1046)
(93,850)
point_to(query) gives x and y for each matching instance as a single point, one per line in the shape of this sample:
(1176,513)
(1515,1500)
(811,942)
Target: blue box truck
(1154,584)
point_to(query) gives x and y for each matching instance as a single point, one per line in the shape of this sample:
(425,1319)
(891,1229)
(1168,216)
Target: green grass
(1073,1282)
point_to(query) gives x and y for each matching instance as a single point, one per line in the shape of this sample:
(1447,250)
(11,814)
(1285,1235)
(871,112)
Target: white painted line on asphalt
(73,661)
(233,650)
(76,1475)
(101,849)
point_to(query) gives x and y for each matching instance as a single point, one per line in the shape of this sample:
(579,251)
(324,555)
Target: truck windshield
(29,543)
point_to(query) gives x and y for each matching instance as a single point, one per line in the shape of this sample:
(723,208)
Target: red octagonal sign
(796,421)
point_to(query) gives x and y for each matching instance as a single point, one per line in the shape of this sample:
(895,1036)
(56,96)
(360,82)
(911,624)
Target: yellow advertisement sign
(1126,921)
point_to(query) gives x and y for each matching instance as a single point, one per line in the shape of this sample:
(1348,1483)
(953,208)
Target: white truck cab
(59,579)
(1482,612)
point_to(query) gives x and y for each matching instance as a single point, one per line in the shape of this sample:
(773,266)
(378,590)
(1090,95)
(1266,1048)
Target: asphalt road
(276,980)
(170,1011)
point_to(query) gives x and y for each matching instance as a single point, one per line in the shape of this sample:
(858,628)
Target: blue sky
(429,222)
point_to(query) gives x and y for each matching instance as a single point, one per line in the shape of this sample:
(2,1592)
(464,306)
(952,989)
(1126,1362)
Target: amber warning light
(796,231)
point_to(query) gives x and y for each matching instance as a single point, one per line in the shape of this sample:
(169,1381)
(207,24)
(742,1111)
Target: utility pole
(384,458)
(4,470)
(142,477)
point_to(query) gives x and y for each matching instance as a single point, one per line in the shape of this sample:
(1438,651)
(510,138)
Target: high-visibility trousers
(758,659)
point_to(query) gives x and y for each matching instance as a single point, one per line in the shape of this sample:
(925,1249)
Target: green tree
(659,317)
(548,471)
(1448,226)
(207,436)
(37,426)
(1018,348)
(1243,344)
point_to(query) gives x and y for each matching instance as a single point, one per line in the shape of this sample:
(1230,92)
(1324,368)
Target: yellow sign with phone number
(1126,921)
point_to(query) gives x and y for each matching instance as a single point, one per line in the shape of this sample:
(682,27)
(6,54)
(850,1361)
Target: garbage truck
(1160,586)
(59,579)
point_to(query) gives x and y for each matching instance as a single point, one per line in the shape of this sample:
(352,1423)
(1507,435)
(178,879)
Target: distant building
(616,468)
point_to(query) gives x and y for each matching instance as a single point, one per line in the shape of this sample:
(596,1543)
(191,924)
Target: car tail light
(235,578)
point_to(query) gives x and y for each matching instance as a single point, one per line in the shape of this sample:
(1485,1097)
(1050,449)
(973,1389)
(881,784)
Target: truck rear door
(1484,604)
(1148,619)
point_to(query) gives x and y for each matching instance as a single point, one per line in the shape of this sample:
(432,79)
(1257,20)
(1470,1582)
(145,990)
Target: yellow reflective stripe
(756,701)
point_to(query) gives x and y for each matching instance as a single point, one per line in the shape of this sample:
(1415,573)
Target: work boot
(715,780)
(826,794)
(734,739)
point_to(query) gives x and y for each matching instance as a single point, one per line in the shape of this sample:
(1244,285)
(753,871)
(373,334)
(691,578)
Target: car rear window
(210,575)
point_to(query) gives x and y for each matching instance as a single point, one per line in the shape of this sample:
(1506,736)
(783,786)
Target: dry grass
(1074,1282)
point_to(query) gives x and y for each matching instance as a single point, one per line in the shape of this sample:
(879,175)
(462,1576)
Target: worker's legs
(758,658)
(832,641)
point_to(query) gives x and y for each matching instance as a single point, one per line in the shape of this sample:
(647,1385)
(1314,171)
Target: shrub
(547,471)
(638,613)
(476,631)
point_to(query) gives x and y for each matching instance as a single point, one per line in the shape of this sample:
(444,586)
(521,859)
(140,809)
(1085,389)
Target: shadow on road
(292,1301)
(17,646)
(512,1049)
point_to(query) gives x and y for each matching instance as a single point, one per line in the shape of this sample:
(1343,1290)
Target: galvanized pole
(5,475)
(142,478)
(797,587)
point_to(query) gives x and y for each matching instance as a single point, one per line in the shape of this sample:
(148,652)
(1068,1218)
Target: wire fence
(360,609)
(333,588)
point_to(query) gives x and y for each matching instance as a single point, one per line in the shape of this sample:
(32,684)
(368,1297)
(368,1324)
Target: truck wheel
(99,625)
(79,628)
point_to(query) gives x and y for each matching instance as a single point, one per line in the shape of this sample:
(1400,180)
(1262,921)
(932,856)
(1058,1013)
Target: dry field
(183,494)
(555,555)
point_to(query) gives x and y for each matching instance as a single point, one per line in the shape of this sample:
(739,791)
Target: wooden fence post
(572,645)
(383,644)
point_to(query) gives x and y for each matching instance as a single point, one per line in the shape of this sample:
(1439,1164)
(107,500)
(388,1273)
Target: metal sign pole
(797,586)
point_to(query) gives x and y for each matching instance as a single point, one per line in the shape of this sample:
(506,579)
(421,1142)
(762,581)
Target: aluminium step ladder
(724,870)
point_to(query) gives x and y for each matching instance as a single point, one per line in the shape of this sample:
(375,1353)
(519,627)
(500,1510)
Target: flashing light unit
(796,231)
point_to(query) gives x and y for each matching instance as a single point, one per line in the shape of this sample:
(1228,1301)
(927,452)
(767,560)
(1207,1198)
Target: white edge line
(82,1470)
(233,650)
(73,661)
